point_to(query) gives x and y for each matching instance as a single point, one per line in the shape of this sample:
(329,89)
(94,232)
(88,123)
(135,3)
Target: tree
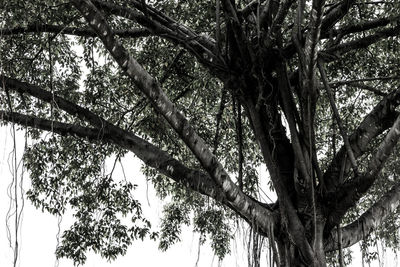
(203,92)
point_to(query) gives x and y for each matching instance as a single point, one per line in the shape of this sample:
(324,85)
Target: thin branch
(239,131)
(84,32)
(167,72)
(297,36)
(201,46)
(242,43)
(219,118)
(331,17)
(360,27)
(338,83)
(337,117)
(154,14)
(218,25)
(364,41)
(367,88)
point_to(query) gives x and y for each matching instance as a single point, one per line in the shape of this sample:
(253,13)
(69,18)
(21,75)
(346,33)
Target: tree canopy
(204,93)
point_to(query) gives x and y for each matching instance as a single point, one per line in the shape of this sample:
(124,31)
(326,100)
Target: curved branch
(147,152)
(84,32)
(150,154)
(367,222)
(160,101)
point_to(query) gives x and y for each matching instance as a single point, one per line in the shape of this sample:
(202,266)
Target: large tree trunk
(290,255)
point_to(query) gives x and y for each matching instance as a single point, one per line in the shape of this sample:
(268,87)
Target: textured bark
(367,222)
(159,100)
(253,66)
(378,120)
(350,192)
(199,181)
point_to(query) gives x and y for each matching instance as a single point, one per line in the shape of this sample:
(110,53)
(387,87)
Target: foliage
(228,82)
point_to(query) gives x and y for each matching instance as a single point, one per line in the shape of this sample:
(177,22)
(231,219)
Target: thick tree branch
(277,22)
(150,154)
(84,32)
(335,14)
(289,110)
(39,93)
(367,222)
(159,100)
(280,181)
(378,120)
(147,152)
(348,194)
(312,39)
(251,7)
